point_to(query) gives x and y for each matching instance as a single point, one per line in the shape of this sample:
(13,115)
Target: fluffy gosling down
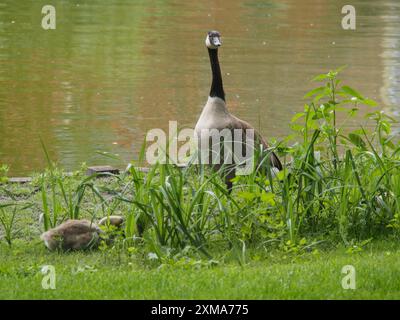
(78,234)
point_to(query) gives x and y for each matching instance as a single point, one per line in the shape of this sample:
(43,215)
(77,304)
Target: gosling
(78,234)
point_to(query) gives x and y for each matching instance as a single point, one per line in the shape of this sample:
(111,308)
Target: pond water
(113,70)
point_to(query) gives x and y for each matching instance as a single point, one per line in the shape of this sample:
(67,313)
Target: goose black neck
(217,89)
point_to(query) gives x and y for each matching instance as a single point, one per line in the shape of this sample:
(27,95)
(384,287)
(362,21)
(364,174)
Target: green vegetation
(283,236)
(267,275)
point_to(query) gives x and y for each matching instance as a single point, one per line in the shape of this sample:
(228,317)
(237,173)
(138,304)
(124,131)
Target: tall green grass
(60,199)
(338,186)
(8,213)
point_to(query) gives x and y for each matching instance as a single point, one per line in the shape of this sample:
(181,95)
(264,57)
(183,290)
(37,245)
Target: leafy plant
(61,201)
(7,219)
(3,173)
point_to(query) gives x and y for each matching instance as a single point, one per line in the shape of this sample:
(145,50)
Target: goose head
(213,40)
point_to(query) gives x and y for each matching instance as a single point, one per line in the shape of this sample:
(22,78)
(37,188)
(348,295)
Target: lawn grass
(94,275)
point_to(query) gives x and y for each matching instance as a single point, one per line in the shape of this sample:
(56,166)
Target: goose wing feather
(237,123)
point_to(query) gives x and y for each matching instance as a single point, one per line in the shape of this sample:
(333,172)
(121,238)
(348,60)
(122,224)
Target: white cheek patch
(208,43)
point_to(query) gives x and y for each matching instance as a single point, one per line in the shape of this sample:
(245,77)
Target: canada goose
(77,234)
(215,115)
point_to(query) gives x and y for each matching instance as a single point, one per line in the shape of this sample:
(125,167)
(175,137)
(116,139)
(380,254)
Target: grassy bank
(337,202)
(271,275)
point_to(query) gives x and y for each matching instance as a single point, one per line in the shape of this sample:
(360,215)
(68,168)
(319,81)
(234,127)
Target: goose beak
(217,42)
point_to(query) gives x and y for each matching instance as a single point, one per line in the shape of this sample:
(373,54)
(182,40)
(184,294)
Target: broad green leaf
(297,116)
(320,77)
(268,197)
(246,195)
(357,140)
(352,92)
(370,102)
(315,91)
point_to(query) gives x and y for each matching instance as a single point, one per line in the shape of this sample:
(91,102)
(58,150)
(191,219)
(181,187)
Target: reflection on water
(391,61)
(110,72)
